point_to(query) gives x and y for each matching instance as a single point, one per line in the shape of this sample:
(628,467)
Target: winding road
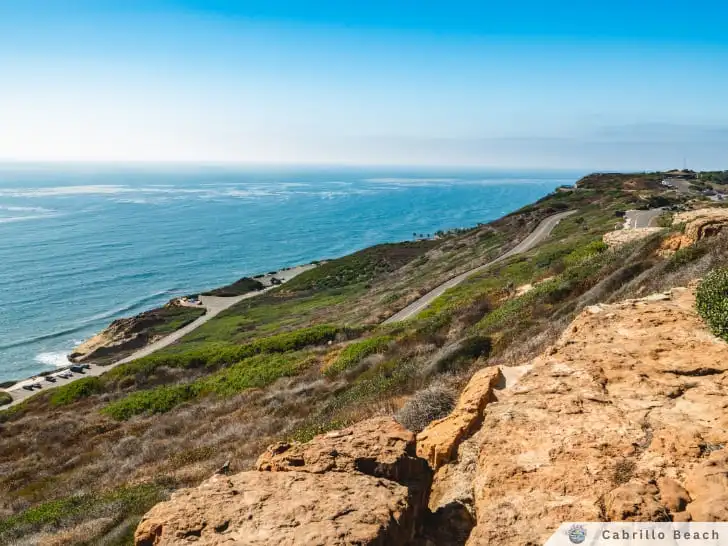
(638,219)
(542,231)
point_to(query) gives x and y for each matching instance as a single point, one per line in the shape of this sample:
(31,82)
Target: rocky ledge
(125,335)
(361,485)
(623,419)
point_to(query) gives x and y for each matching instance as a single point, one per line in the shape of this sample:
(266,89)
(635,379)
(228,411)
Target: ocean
(83,245)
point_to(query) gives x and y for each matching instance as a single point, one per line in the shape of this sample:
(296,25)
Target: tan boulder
(438,442)
(708,486)
(285,509)
(379,447)
(635,501)
(673,495)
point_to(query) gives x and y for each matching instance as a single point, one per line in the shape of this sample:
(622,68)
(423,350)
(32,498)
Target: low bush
(355,352)
(684,256)
(254,372)
(238,288)
(7,384)
(76,390)
(711,300)
(433,402)
(5,399)
(585,252)
(218,355)
(464,353)
(360,267)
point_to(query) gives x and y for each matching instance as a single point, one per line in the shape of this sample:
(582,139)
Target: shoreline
(213,305)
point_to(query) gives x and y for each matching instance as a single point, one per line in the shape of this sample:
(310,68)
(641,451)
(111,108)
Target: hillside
(81,463)
(622,419)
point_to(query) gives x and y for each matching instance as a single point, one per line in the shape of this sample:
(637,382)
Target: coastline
(213,305)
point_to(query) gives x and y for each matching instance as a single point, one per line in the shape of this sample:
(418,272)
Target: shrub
(433,402)
(711,300)
(686,255)
(76,390)
(585,252)
(238,288)
(5,399)
(218,355)
(7,384)
(355,352)
(254,372)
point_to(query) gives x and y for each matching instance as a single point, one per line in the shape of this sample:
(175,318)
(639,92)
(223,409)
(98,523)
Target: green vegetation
(76,390)
(238,288)
(174,317)
(357,351)
(5,399)
(360,267)
(214,356)
(711,300)
(254,372)
(685,256)
(715,177)
(585,252)
(6,384)
(126,501)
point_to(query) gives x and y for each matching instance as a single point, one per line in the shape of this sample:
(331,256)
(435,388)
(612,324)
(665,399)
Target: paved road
(213,305)
(637,219)
(542,231)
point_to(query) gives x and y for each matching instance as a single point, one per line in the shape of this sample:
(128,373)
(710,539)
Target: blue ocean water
(83,245)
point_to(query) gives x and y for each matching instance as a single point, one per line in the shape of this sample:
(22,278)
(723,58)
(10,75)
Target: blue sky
(593,85)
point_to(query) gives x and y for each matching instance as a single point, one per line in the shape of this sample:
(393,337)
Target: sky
(636,84)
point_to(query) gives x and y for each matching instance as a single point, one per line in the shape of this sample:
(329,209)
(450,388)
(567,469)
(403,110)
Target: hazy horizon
(531,86)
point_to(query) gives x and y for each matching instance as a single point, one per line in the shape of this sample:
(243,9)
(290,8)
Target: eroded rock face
(379,447)
(623,419)
(361,485)
(699,224)
(283,508)
(437,443)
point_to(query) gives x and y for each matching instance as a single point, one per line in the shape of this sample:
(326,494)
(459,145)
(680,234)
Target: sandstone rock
(673,495)
(283,508)
(699,224)
(635,501)
(438,442)
(628,397)
(707,484)
(379,447)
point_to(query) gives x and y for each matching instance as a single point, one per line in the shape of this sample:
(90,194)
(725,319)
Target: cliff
(622,419)
(125,335)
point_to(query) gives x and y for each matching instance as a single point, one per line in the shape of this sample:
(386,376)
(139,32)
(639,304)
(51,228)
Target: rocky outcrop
(379,447)
(129,334)
(362,485)
(438,442)
(623,419)
(699,224)
(263,508)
